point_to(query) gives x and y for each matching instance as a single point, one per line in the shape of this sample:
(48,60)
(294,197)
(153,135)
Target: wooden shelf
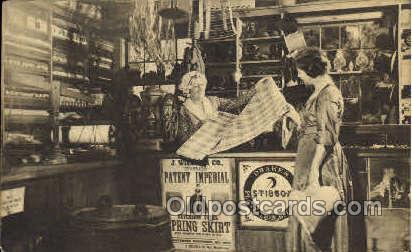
(65,108)
(216,64)
(260,76)
(353,73)
(62,66)
(82,122)
(19,29)
(352,49)
(376,128)
(63,44)
(345,72)
(259,61)
(76,17)
(26,41)
(155,83)
(249,154)
(26,52)
(27,89)
(245,90)
(261,38)
(316,7)
(64,24)
(26,120)
(222,40)
(214,92)
(71,80)
(18,102)
(65,91)
(13,68)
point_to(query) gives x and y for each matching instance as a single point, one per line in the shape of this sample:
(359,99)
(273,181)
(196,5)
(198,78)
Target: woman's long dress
(322,117)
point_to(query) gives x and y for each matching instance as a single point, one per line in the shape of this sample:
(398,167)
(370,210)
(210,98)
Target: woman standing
(320,160)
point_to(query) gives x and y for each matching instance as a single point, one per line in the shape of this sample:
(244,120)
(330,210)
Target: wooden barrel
(117,228)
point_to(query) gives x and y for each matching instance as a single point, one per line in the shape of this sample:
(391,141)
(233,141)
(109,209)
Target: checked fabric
(227,131)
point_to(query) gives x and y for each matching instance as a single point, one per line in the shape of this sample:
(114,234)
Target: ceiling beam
(317,7)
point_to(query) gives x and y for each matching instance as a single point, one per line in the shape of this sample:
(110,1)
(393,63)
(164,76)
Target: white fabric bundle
(90,134)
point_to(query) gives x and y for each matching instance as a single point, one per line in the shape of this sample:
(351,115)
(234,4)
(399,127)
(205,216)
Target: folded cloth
(227,130)
(310,218)
(205,139)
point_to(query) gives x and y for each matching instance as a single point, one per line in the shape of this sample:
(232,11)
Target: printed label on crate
(265,188)
(12,201)
(196,187)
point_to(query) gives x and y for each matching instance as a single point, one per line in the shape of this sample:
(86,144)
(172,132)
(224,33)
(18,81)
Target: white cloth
(204,110)
(226,131)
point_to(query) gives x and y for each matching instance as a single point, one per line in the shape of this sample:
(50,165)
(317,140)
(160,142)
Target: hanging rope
(143,30)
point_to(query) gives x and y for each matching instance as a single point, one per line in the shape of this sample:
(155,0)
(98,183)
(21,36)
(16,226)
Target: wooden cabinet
(26,80)
(367,44)
(57,62)
(383,177)
(52,192)
(389,183)
(254,49)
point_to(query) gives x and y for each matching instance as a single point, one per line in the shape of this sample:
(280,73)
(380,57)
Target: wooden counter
(54,191)
(23,173)
(265,239)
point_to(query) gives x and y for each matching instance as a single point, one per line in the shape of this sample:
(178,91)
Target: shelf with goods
(80,12)
(82,60)
(220,63)
(26,59)
(361,57)
(83,63)
(219,45)
(27,83)
(260,62)
(230,39)
(259,76)
(404,57)
(263,52)
(26,117)
(26,50)
(266,38)
(227,93)
(254,54)
(26,66)
(26,33)
(53,74)
(322,21)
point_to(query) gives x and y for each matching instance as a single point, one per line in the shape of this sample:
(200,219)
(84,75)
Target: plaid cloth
(227,130)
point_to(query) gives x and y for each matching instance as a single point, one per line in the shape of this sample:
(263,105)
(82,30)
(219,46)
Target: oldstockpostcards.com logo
(271,210)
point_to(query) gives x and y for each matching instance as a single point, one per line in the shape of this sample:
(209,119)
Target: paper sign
(265,181)
(12,201)
(295,41)
(199,184)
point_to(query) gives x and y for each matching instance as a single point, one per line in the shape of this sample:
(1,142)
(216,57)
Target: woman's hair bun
(312,62)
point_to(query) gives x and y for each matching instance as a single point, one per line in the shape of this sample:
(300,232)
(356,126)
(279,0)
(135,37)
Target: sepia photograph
(205,125)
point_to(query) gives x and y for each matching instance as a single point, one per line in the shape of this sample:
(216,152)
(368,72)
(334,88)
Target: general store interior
(87,85)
